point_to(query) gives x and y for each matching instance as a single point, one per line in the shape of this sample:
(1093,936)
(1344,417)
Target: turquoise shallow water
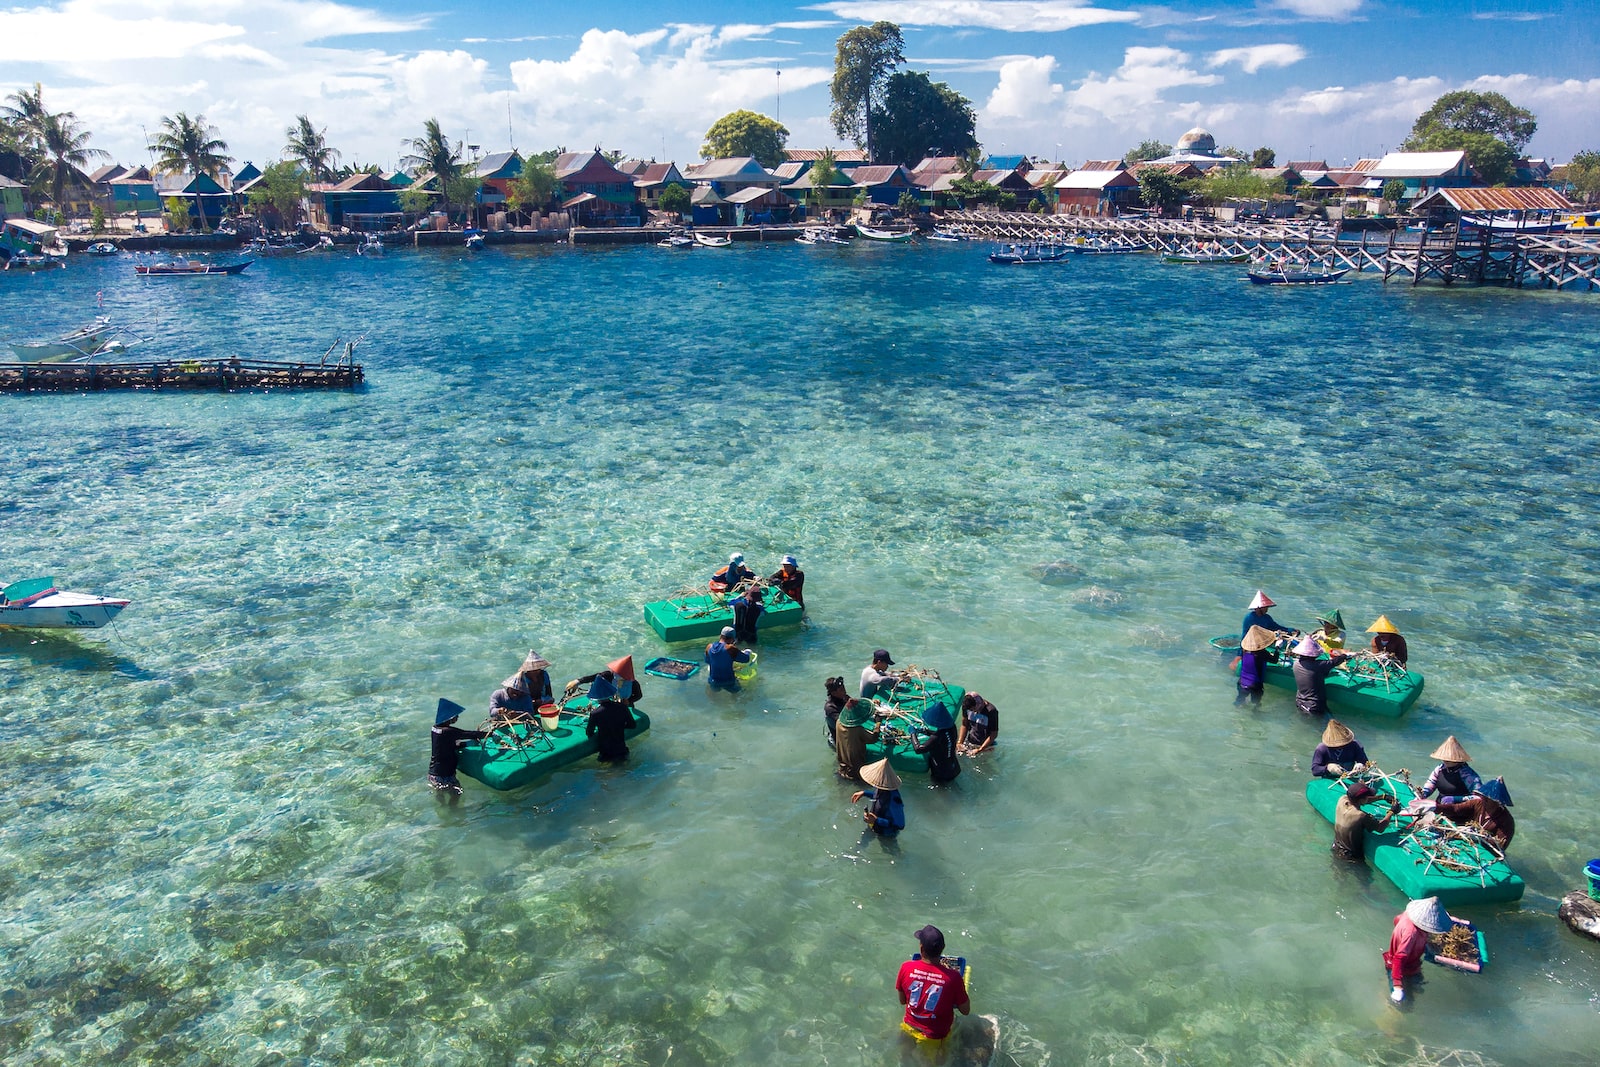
(218,847)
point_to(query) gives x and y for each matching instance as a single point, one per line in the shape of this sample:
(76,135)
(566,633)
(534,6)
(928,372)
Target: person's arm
(1319,762)
(961,730)
(739,654)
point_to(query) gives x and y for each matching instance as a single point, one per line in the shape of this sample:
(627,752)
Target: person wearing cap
(1257,648)
(931,991)
(838,696)
(851,736)
(1484,811)
(747,608)
(1311,675)
(939,747)
(791,580)
(1339,753)
(1350,823)
(447,741)
(886,815)
(721,655)
(519,696)
(614,691)
(731,574)
(1257,616)
(1386,640)
(1403,959)
(1453,777)
(1330,631)
(874,678)
(980,725)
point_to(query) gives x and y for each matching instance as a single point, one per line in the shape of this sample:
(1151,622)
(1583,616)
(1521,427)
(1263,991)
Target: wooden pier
(220,375)
(1442,254)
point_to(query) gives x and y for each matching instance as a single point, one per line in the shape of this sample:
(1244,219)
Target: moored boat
(102,248)
(707,240)
(36,604)
(676,240)
(189,267)
(688,616)
(1206,257)
(28,261)
(99,337)
(1029,254)
(1296,277)
(944,235)
(1365,684)
(1440,861)
(515,754)
(474,240)
(874,233)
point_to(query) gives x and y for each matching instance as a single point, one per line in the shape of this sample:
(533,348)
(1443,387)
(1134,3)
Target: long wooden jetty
(1438,253)
(184,374)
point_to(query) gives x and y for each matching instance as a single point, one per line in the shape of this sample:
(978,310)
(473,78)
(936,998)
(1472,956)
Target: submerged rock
(1581,914)
(1096,596)
(1057,572)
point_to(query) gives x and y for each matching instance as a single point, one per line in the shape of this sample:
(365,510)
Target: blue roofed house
(884,184)
(495,173)
(201,192)
(363,202)
(652,179)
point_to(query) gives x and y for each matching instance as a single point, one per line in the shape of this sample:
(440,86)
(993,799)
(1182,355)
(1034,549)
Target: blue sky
(1068,79)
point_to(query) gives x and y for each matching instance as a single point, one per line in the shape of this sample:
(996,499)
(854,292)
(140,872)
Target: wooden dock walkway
(1446,254)
(222,375)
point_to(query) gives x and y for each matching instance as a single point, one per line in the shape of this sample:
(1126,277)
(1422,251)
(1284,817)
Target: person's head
(533,663)
(1308,647)
(728,634)
(880,658)
(931,940)
(835,686)
(1337,734)
(1383,626)
(790,563)
(622,668)
(1428,914)
(1256,639)
(1331,620)
(1359,792)
(448,712)
(1451,754)
(756,594)
(1262,602)
(736,560)
(880,775)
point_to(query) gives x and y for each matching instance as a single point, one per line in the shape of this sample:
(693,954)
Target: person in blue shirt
(1257,616)
(721,655)
(728,577)
(886,815)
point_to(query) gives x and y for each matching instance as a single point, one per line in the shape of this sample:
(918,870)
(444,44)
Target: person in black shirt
(940,746)
(838,697)
(614,690)
(980,725)
(447,742)
(792,580)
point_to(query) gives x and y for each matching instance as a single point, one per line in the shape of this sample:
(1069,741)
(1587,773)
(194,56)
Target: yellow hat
(1382,626)
(1337,733)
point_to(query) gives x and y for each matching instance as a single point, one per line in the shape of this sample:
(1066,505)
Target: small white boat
(873,233)
(21,261)
(676,240)
(102,248)
(371,245)
(323,244)
(100,337)
(474,242)
(706,240)
(944,235)
(36,604)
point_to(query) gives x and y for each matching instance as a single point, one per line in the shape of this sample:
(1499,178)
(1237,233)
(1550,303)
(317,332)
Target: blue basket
(1592,869)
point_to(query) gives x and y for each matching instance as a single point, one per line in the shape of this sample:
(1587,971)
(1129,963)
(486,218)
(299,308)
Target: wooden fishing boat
(1206,257)
(706,240)
(29,261)
(515,754)
(1456,867)
(1296,277)
(81,345)
(944,235)
(1365,684)
(899,714)
(690,616)
(1019,255)
(191,267)
(874,233)
(36,604)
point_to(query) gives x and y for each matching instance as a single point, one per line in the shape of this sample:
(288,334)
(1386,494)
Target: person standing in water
(1311,675)
(931,991)
(1256,615)
(886,815)
(447,742)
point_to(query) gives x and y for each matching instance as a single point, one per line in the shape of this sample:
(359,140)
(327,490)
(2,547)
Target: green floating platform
(1405,863)
(1357,690)
(910,701)
(502,766)
(693,617)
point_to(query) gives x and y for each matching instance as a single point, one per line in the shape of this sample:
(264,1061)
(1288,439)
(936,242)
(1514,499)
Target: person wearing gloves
(1339,753)
(747,609)
(874,678)
(886,815)
(721,655)
(1257,616)
(1330,631)
(1350,823)
(791,580)
(1386,640)
(1311,675)
(519,696)
(614,691)
(1453,777)
(447,742)
(851,737)
(940,746)
(730,575)
(1257,648)
(1403,959)
(1484,811)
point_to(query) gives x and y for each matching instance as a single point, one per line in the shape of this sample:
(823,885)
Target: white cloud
(1019,16)
(1137,86)
(1024,88)
(1254,57)
(1331,10)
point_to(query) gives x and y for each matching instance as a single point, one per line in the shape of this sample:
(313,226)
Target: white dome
(1197,140)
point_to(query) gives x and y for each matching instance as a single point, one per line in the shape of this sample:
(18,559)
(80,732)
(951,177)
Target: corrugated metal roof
(1503,199)
(1095,179)
(1418,164)
(876,174)
(811,155)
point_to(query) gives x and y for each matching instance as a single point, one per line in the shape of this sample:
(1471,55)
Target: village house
(1100,192)
(884,184)
(594,189)
(652,179)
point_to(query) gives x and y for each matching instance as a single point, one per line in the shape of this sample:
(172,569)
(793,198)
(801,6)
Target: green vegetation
(308,146)
(909,203)
(1162,190)
(536,186)
(920,117)
(415,200)
(675,198)
(745,133)
(55,147)
(1236,182)
(1263,157)
(1394,191)
(281,189)
(1147,150)
(190,144)
(177,214)
(1489,128)
(1583,175)
(97,219)
(434,153)
(863,60)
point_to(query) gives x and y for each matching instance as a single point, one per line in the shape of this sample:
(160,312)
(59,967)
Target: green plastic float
(688,618)
(515,754)
(1361,686)
(900,722)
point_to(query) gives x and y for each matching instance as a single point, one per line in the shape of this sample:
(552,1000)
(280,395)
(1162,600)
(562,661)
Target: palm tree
(66,149)
(26,114)
(309,146)
(190,144)
(432,150)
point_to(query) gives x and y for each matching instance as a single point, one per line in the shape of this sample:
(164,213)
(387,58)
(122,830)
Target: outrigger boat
(36,604)
(1455,864)
(1365,684)
(100,337)
(1296,277)
(688,615)
(193,266)
(707,240)
(873,233)
(1028,254)
(944,235)
(522,751)
(900,717)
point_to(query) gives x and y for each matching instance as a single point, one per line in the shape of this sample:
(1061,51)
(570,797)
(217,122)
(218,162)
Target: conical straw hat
(622,668)
(880,775)
(1382,626)
(1332,618)
(533,662)
(1262,600)
(1428,914)
(1450,752)
(1337,733)
(1257,638)
(1308,647)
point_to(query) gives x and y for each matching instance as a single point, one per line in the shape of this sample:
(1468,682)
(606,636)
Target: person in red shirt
(931,991)
(1411,929)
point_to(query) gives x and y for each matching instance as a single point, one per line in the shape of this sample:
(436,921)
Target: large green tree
(1148,149)
(65,151)
(309,146)
(1467,111)
(282,187)
(1162,189)
(1583,175)
(190,144)
(745,133)
(24,113)
(920,117)
(434,152)
(1263,157)
(1236,182)
(1493,159)
(675,198)
(535,187)
(863,60)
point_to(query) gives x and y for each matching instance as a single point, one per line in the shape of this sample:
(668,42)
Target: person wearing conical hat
(1339,753)
(614,691)
(1453,777)
(1351,823)
(1386,640)
(852,734)
(1330,630)
(447,741)
(519,696)
(1484,811)
(1257,615)
(886,815)
(939,747)
(1311,675)
(1403,959)
(1257,648)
